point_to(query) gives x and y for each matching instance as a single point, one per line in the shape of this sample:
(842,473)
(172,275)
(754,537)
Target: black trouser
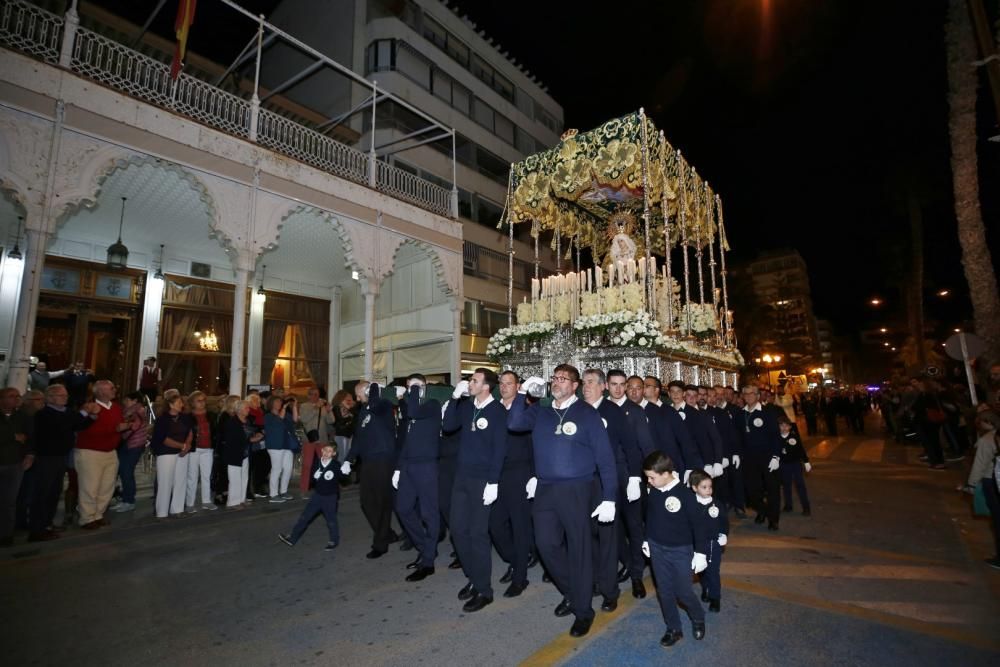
(763,488)
(605,542)
(737,494)
(631,533)
(325,505)
(49,473)
(417,508)
(446,481)
(24,495)
(260,469)
(562,533)
(672,575)
(510,521)
(376,500)
(930,437)
(470,531)
(831,423)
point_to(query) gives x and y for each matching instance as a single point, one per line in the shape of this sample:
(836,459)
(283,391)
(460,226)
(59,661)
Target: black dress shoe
(476,603)
(532,560)
(609,604)
(581,626)
(546,578)
(563,608)
(698,629)
(704,595)
(374,553)
(638,589)
(671,637)
(420,574)
(515,589)
(467,592)
(414,565)
(760,518)
(714,605)
(623,574)
(455,565)
(772,526)
(507,576)
(807,512)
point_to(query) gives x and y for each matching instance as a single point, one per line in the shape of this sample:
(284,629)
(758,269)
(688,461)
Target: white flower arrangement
(611,299)
(502,342)
(590,304)
(561,310)
(698,319)
(633,297)
(525,313)
(623,328)
(541,311)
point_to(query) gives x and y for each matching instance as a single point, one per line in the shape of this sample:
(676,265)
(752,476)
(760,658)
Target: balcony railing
(34,31)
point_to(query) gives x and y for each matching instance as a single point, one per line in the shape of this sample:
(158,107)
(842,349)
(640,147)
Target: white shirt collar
(703,501)
(568,402)
(644,403)
(328,462)
(597,403)
(507,407)
(754,408)
(480,406)
(674,482)
(106,406)
(722,405)
(658,403)
(620,402)
(679,406)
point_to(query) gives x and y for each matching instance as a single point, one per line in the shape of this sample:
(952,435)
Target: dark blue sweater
(421,429)
(672,437)
(622,439)
(483,444)
(567,457)
(673,518)
(712,525)
(325,478)
(761,437)
(374,433)
(793,450)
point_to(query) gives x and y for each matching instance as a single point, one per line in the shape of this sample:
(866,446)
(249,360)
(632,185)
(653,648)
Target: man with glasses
(762,445)
(97,456)
(481,452)
(571,444)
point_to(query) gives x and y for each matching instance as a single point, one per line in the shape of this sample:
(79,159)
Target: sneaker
(287,496)
(209,507)
(124,507)
(287,539)
(330,546)
(259,495)
(938,466)
(923,457)
(276,499)
(994,562)
(953,458)
(190,510)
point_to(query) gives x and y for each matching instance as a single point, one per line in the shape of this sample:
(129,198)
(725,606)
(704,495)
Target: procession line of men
(561,479)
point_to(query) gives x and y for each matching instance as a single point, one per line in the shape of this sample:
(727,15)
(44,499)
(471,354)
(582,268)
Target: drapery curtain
(313,350)
(176,327)
(274,336)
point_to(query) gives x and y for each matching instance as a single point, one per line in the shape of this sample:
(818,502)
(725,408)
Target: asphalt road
(889,568)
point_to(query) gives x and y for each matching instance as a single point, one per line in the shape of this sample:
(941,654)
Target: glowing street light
(876,301)
(883,330)
(943,292)
(885,344)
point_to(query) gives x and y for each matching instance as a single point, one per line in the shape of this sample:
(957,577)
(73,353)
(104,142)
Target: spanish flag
(182,25)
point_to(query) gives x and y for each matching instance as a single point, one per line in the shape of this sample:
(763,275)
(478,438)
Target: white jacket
(982,464)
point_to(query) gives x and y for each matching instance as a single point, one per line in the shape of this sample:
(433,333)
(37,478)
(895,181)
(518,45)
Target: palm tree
(976,261)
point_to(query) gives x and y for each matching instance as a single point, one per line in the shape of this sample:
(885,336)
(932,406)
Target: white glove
(368,388)
(722,539)
(699,563)
(725,462)
(346,468)
(400,392)
(708,469)
(534,386)
(716,470)
(461,389)
(773,464)
(633,490)
(808,466)
(645,549)
(531,486)
(395,479)
(490,494)
(605,512)
(687,474)
(736,461)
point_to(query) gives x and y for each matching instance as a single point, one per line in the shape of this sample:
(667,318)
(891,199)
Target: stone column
(369,293)
(237,365)
(456,339)
(255,337)
(333,349)
(35,242)
(149,336)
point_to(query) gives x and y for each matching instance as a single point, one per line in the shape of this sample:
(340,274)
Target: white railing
(31,29)
(404,185)
(300,142)
(39,33)
(146,78)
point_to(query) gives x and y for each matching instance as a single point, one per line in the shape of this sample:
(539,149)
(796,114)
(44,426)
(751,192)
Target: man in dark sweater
(55,433)
(14,458)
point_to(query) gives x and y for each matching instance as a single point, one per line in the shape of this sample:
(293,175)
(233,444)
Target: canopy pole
(711,263)
(687,276)
(648,273)
(697,241)
(668,286)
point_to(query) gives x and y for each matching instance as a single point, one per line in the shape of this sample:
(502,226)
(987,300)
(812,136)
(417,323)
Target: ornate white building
(363,260)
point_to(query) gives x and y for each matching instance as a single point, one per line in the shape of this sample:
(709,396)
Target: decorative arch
(441,272)
(335,222)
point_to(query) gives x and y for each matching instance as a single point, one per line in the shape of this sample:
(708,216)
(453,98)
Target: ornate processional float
(653,228)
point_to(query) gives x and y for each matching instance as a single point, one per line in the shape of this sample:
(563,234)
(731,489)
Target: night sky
(814,121)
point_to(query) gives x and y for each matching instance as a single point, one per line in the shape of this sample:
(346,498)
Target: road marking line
(869,451)
(912,625)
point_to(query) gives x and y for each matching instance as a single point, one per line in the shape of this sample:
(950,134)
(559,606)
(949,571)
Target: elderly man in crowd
(97,457)
(14,459)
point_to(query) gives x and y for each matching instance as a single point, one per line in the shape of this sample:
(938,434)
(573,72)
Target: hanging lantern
(117,252)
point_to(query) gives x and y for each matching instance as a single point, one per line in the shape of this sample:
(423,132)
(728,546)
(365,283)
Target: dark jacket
(12,425)
(55,430)
(236,443)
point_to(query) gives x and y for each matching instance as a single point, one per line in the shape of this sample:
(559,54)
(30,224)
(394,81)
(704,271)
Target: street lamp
(876,301)
(883,330)
(943,292)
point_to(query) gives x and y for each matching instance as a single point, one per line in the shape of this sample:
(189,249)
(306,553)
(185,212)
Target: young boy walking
(325,480)
(716,523)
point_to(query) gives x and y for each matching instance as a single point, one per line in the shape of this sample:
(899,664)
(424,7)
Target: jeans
(128,459)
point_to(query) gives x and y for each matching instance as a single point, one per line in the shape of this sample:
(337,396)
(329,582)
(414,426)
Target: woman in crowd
(343,422)
(239,434)
(220,476)
(200,465)
(172,437)
(281,441)
(260,463)
(134,440)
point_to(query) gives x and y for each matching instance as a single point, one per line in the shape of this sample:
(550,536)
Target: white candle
(642,270)
(598,277)
(630,267)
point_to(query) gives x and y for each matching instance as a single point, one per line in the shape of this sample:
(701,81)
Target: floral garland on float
(514,339)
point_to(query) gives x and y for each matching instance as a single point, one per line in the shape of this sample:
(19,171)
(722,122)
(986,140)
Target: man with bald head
(97,456)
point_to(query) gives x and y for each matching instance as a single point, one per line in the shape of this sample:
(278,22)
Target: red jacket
(103,435)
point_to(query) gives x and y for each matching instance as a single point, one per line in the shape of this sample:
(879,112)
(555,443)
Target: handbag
(979,506)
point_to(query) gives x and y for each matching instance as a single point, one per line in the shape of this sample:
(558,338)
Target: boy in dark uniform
(717,528)
(416,477)
(793,459)
(673,529)
(483,423)
(324,479)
